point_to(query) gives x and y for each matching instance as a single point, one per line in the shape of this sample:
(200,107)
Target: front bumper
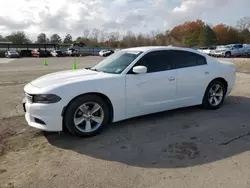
(14,56)
(46,117)
(218,54)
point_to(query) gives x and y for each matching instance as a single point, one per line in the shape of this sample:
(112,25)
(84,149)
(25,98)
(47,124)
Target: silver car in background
(12,54)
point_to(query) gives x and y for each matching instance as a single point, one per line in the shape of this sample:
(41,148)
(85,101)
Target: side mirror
(140,69)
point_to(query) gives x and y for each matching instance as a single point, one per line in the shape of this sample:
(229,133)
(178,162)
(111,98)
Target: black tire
(205,102)
(228,54)
(72,108)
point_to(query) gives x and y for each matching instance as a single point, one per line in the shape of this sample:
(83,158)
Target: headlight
(46,98)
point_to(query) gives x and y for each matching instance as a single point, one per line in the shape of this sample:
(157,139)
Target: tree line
(190,34)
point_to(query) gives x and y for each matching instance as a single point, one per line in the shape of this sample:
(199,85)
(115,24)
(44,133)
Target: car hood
(66,77)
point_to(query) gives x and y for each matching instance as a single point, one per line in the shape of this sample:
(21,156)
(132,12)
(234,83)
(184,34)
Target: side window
(188,59)
(240,46)
(156,61)
(236,46)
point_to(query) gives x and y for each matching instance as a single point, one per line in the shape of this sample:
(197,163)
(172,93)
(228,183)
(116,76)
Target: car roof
(155,48)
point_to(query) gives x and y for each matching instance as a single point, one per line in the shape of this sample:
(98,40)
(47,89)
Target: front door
(152,91)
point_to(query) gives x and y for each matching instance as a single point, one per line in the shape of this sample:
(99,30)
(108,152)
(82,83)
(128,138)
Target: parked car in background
(35,53)
(25,53)
(129,83)
(12,54)
(72,52)
(40,53)
(105,53)
(116,50)
(57,53)
(206,50)
(229,51)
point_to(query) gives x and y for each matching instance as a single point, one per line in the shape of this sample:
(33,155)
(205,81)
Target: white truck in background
(72,52)
(231,50)
(206,50)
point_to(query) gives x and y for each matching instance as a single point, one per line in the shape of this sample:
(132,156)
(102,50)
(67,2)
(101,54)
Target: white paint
(130,94)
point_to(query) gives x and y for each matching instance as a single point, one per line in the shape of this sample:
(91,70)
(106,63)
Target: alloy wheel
(88,117)
(216,94)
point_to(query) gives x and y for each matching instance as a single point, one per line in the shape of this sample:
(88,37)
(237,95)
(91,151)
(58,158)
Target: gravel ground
(189,147)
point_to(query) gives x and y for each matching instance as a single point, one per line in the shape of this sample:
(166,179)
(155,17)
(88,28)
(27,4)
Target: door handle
(171,78)
(206,72)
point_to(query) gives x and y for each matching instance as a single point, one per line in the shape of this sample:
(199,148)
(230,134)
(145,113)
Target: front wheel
(228,55)
(86,115)
(214,95)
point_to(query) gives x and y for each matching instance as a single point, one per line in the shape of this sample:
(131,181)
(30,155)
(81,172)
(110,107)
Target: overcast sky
(73,16)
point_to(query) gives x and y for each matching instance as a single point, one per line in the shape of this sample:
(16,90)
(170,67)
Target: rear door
(241,49)
(193,75)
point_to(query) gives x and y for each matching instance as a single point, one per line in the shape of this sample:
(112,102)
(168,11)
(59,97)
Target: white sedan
(105,53)
(129,83)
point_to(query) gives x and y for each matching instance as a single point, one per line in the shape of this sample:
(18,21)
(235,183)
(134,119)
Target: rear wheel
(214,95)
(86,115)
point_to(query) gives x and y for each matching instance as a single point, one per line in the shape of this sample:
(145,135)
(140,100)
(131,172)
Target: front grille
(29,97)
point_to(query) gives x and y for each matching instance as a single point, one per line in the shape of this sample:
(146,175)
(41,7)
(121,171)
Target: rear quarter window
(184,59)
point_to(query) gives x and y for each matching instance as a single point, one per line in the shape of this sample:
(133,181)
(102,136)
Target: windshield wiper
(96,70)
(89,68)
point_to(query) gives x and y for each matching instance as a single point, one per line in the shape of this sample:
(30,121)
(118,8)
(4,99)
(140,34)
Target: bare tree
(103,36)
(129,39)
(243,24)
(114,36)
(85,33)
(117,35)
(141,40)
(95,34)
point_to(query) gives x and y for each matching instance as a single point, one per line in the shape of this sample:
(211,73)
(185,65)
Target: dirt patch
(243,64)
(15,134)
(4,84)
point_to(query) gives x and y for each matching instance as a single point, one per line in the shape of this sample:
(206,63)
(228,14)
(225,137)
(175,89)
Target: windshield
(228,46)
(12,52)
(116,62)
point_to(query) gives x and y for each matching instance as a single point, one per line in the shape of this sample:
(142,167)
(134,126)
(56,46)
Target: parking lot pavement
(15,74)
(5,60)
(189,147)
(54,63)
